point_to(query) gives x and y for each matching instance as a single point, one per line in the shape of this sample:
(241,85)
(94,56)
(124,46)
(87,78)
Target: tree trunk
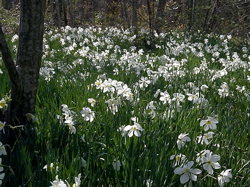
(81,11)
(212,19)
(125,12)
(159,15)
(24,79)
(29,54)
(14,78)
(64,12)
(192,14)
(134,15)
(8,4)
(150,17)
(71,6)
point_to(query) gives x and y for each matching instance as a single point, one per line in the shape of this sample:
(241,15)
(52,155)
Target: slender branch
(8,60)
(150,16)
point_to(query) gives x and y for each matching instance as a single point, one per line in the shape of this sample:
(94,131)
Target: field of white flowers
(119,109)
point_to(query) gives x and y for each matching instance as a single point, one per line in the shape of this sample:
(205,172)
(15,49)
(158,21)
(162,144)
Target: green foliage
(73,61)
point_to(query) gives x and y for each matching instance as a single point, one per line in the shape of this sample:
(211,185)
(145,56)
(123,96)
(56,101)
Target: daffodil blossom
(77,181)
(58,183)
(193,97)
(178,97)
(113,104)
(182,139)
(1,177)
(125,91)
(117,164)
(70,123)
(148,182)
(204,138)
(1,168)
(210,123)
(144,82)
(187,173)
(133,130)
(92,101)
(88,114)
(121,129)
(151,109)
(66,111)
(108,86)
(51,167)
(2,103)
(204,87)
(178,159)
(72,128)
(98,84)
(165,97)
(200,155)
(2,149)
(210,162)
(84,162)
(2,124)
(224,177)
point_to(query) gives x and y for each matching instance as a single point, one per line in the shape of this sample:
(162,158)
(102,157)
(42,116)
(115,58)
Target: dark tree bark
(23,77)
(70,5)
(59,13)
(54,10)
(150,16)
(125,12)
(134,15)
(8,4)
(159,15)
(64,12)
(81,10)
(192,14)
(209,23)
(29,54)
(111,10)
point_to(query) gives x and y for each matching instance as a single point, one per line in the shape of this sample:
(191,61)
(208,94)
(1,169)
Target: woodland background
(217,16)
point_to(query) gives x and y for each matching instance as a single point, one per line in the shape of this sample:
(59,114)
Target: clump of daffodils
(206,159)
(116,90)
(69,116)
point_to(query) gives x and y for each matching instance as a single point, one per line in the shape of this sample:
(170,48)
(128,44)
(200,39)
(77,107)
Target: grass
(176,64)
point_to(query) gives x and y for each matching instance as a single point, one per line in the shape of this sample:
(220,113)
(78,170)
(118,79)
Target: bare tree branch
(8,60)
